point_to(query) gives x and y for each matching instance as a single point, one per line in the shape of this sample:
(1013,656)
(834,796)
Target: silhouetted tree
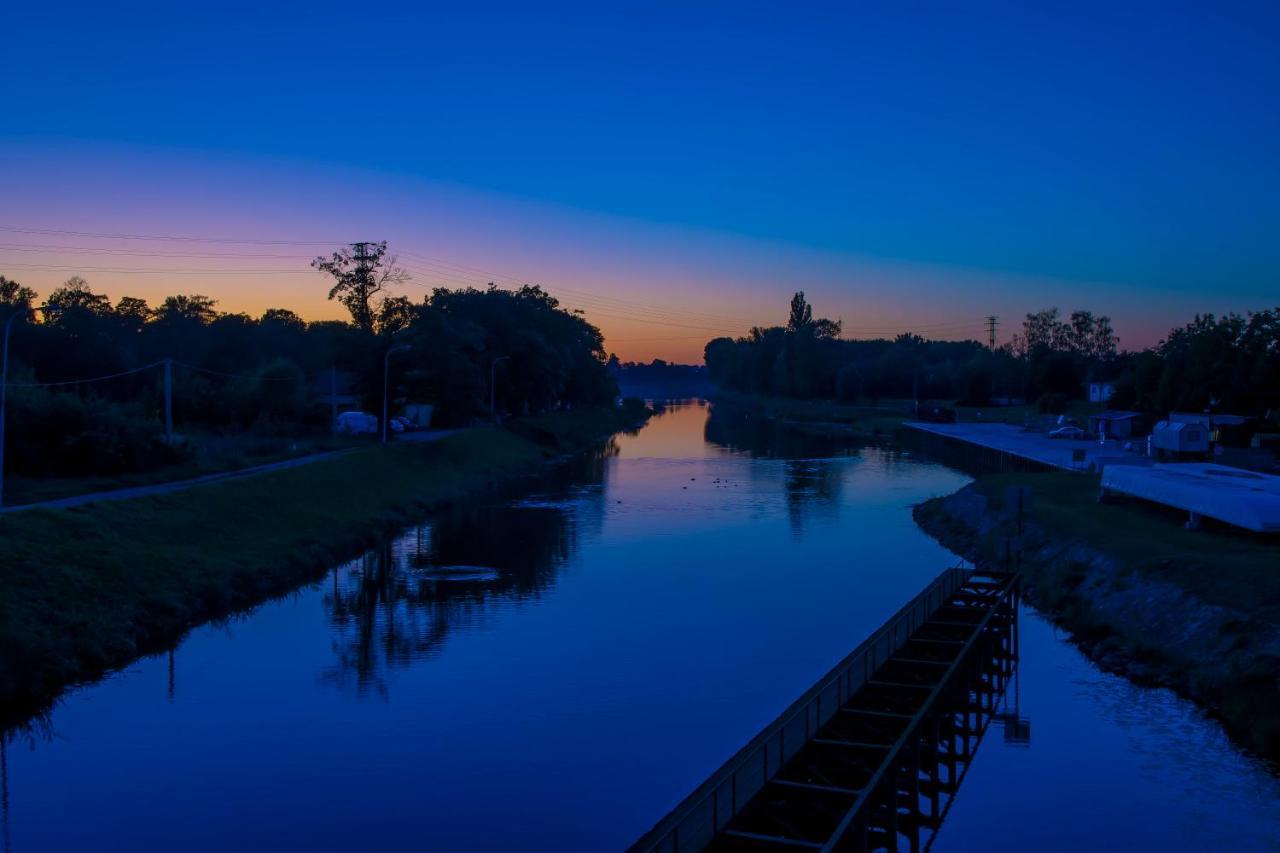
(15,295)
(360,273)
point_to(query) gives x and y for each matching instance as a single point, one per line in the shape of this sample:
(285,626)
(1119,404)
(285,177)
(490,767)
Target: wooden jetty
(870,756)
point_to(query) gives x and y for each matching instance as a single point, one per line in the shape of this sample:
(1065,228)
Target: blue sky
(1075,142)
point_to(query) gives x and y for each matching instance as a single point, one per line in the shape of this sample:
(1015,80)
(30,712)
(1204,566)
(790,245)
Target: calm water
(556,672)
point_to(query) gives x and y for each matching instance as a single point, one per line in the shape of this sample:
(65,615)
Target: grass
(1220,566)
(1230,668)
(886,416)
(87,589)
(1079,410)
(213,456)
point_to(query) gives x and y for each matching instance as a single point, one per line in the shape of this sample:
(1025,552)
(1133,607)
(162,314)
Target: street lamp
(4,386)
(386,367)
(493,385)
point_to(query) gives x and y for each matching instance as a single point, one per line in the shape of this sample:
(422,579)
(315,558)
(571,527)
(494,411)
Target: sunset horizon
(447,236)
(649,427)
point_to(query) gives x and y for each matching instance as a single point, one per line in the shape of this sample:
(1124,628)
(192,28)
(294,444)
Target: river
(555,672)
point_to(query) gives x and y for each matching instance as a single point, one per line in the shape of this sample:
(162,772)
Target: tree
(801,319)
(193,309)
(132,314)
(395,313)
(282,318)
(75,298)
(360,273)
(15,295)
(1041,330)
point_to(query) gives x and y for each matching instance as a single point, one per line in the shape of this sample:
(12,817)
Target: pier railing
(699,817)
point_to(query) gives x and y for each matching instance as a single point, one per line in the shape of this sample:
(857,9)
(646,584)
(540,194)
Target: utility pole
(168,400)
(493,386)
(4,385)
(992,322)
(333,398)
(360,253)
(386,369)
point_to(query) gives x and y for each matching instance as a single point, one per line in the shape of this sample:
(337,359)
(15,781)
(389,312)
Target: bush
(1053,404)
(66,435)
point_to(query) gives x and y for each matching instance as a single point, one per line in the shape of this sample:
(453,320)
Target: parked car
(1072,432)
(356,423)
(406,425)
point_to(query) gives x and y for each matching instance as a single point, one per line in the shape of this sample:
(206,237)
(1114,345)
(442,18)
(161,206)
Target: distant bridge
(870,757)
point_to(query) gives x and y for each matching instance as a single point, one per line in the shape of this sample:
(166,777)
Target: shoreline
(1140,619)
(1197,612)
(832,418)
(86,591)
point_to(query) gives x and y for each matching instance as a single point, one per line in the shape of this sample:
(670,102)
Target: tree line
(1230,363)
(233,374)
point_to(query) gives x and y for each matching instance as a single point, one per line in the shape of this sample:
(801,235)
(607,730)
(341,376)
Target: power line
(234,375)
(437,269)
(155,271)
(140,253)
(169,237)
(86,380)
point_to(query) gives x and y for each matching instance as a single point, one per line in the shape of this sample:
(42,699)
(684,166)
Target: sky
(675,171)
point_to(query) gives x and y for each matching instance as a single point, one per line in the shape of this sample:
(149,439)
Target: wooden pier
(870,757)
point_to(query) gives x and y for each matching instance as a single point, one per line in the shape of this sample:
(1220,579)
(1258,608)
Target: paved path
(183,485)
(1067,454)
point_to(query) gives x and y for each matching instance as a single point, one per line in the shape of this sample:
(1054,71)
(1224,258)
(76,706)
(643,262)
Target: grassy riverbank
(1198,611)
(88,589)
(853,419)
(214,455)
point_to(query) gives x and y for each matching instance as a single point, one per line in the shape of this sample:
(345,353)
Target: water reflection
(398,603)
(766,438)
(939,758)
(652,607)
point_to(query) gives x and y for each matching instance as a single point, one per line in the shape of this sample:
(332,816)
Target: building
(1117,424)
(1101,392)
(1180,438)
(1232,430)
(1229,430)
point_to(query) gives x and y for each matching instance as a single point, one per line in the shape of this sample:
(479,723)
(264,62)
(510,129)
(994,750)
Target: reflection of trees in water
(812,477)
(399,602)
(769,438)
(813,488)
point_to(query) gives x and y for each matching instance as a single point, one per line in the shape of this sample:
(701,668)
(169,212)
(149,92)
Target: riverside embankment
(469,676)
(88,589)
(1196,611)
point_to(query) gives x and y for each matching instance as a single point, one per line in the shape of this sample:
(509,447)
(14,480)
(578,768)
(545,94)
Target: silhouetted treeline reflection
(581,653)
(398,603)
(742,430)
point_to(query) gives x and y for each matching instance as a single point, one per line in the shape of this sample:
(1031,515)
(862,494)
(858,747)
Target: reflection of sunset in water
(629,623)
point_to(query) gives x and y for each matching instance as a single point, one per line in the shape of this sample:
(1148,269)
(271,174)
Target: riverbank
(827,417)
(89,589)
(1196,611)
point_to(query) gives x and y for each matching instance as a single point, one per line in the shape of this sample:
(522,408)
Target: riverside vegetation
(1197,611)
(88,589)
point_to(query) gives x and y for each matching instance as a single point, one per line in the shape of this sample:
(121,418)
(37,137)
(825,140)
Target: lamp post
(4,387)
(386,368)
(493,386)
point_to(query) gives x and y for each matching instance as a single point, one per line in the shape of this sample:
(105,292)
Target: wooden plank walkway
(875,768)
